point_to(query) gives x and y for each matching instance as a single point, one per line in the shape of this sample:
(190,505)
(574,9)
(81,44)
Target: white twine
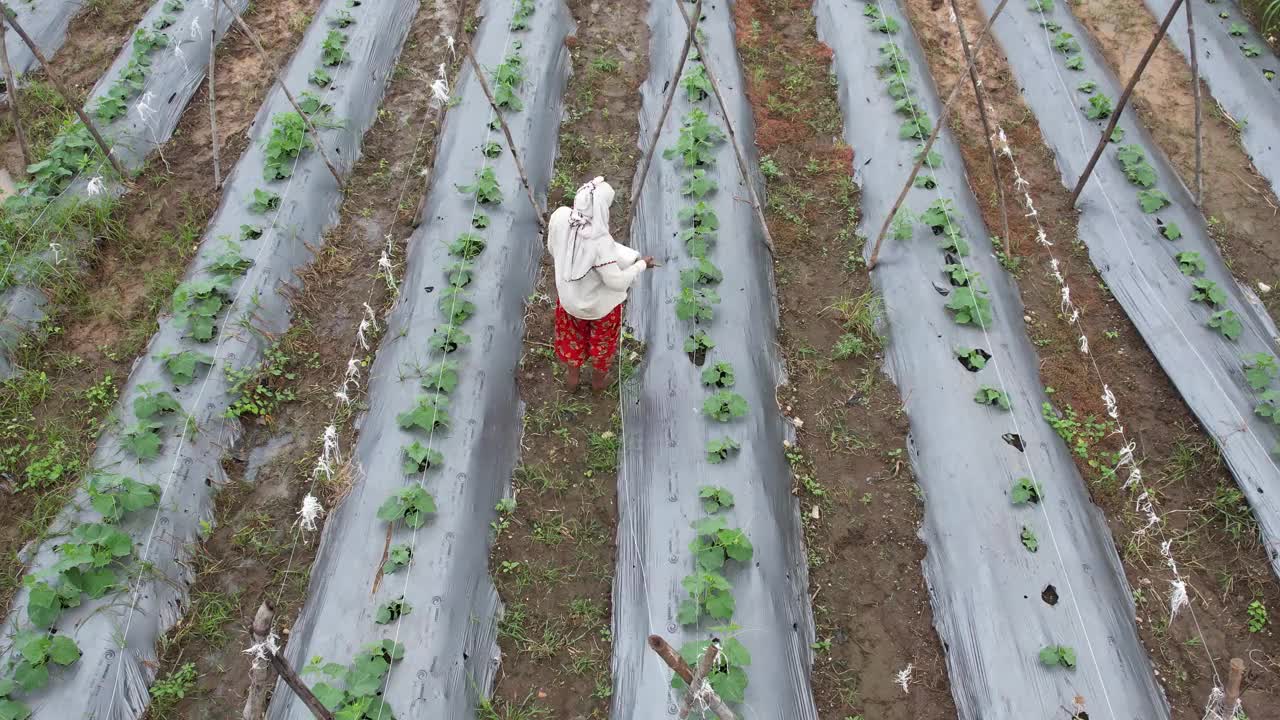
(144,109)
(449,41)
(310,513)
(440,90)
(95,187)
(903,678)
(259,650)
(195,28)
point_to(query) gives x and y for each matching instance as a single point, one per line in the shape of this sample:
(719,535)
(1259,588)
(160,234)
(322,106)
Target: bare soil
(553,561)
(255,552)
(103,314)
(860,505)
(1215,539)
(1243,212)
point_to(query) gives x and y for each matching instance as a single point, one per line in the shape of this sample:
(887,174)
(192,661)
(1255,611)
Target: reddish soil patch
(1243,212)
(553,561)
(1216,542)
(859,504)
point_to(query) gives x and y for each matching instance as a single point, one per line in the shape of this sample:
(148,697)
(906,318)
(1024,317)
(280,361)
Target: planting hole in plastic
(968,364)
(1015,440)
(1050,595)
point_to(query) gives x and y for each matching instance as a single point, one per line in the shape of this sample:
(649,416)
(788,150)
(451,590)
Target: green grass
(602,452)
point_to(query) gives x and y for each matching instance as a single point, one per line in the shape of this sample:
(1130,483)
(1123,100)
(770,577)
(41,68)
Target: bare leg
(599,380)
(571,378)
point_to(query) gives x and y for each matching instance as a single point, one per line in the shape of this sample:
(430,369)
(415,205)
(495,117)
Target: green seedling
(1171,231)
(699,185)
(1207,291)
(720,449)
(704,273)
(1269,406)
(264,201)
(1029,539)
(719,375)
(182,367)
(115,495)
(1136,168)
(36,651)
(1088,87)
(1190,263)
(1260,369)
(727,676)
(411,504)
(695,304)
(484,187)
(320,78)
(441,377)
(724,406)
(1257,616)
(333,51)
(430,412)
(1099,108)
(715,499)
(970,306)
(398,556)
(1152,200)
(1063,655)
(1065,42)
(419,458)
(988,395)
(1075,62)
(1025,491)
(392,611)
(1227,323)
(467,246)
(696,84)
(709,594)
(972,358)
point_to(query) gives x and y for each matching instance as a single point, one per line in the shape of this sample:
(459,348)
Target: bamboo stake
(255,704)
(699,679)
(1234,678)
(681,668)
(733,136)
(937,128)
(511,144)
(672,86)
(12,83)
(279,77)
(1195,87)
(213,96)
(986,125)
(1124,99)
(62,89)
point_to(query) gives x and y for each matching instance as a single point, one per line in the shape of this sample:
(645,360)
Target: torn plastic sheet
(1239,82)
(665,434)
(46,21)
(1139,265)
(119,633)
(172,78)
(996,604)
(450,637)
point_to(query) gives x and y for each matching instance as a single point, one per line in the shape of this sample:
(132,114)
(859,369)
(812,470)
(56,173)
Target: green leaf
(725,406)
(397,557)
(420,458)
(63,650)
(94,582)
(698,185)
(320,77)
(484,187)
(1152,200)
(412,504)
(467,246)
(448,338)
(441,377)
(1088,87)
(988,395)
(329,696)
(1190,262)
(695,304)
(688,612)
(150,405)
(715,499)
(31,677)
(1227,323)
(927,182)
(700,340)
(1025,491)
(719,375)
(1207,291)
(972,359)
(1029,539)
(13,710)
(719,450)
(1075,62)
(917,128)
(1259,370)
(1065,42)
(183,366)
(1049,655)
(142,440)
(430,412)
(392,611)
(1171,231)
(1250,50)
(1099,108)
(933,160)
(704,273)
(720,605)
(970,306)
(264,201)
(1237,29)
(114,495)
(1269,406)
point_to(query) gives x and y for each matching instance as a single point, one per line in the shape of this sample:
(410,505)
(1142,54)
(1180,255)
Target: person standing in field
(593,273)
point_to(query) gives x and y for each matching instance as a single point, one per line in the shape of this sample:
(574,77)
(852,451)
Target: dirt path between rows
(554,556)
(1216,541)
(860,506)
(1242,209)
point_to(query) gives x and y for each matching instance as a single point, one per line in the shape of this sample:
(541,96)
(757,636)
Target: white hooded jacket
(593,272)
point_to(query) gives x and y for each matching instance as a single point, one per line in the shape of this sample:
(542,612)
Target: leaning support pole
(698,686)
(511,144)
(937,128)
(279,76)
(672,85)
(62,89)
(213,99)
(1195,94)
(261,675)
(986,124)
(1124,99)
(429,162)
(681,668)
(728,123)
(12,84)
(299,688)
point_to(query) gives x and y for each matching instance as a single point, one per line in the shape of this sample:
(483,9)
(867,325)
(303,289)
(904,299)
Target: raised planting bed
(403,561)
(1152,247)
(46,21)
(1028,594)
(136,106)
(113,578)
(709,542)
(1240,70)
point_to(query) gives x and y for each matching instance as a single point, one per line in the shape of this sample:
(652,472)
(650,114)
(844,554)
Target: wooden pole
(681,668)
(672,86)
(511,144)
(937,128)
(299,688)
(733,136)
(986,125)
(213,98)
(260,674)
(253,38)
(62,89)
(1124,99)
(11,83)
(1234,678)
(429,164)
(699,679)
(1195,94)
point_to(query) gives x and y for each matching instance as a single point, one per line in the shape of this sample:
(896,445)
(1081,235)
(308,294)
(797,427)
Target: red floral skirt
(578,339)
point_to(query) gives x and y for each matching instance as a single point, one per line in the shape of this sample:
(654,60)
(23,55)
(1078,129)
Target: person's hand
(649,261)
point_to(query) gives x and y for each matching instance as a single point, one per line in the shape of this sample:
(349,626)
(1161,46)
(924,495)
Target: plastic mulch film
(176,417)
(1023,576)
(1153,261)
(666,429)
(160,79)
(450,633)
(46,21)
(1241,72)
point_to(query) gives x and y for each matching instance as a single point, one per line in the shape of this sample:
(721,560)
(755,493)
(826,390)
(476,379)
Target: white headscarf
(584,241)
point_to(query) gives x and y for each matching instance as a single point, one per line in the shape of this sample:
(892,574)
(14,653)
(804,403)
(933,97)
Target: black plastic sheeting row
(1139,265)
(450,636)
(172,78)
(665,434)
(46,21)
(119,633)
(1239,82)
(996,604)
